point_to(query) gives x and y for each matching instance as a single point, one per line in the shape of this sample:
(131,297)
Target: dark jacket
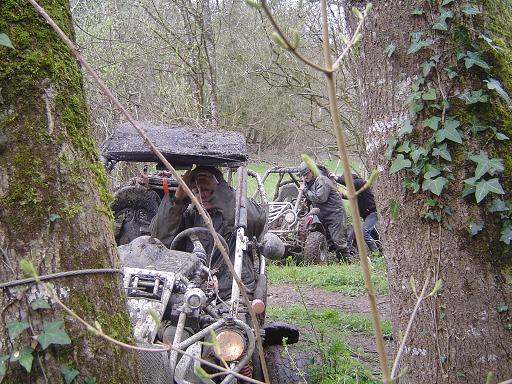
(322,193)
(365,199)
(173,218)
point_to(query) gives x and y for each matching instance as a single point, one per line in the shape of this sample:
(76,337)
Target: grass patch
(342,278)
(339,366)
(328,322)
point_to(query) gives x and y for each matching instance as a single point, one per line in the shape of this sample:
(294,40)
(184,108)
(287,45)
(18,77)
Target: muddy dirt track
(284,295)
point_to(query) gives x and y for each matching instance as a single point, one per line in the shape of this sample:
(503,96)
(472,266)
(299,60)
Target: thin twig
(290,46)
(420,299)
(351,43)
(178,178)
(361,245)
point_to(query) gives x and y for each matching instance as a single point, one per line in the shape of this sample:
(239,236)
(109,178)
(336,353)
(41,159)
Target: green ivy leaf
(390,49)
(441,24)
(469,189)
(415,108)
(411,184)
(430,95)
(5,41)
(442,151)
(436,58)
(431,203)
(52,334)
(15,328)
(485,165)
(40,304)
(399,163)
(391,144)
(90,380)
(24,357)
(498,205)
(435,185)
(415,86)
(446,2)
(477,126)
(427,66)
(418,12)
(407,128)
(69,374)
(475,228)
(449,132)
(412,97)
(473,58)
(506,235)
(404,147)
(460,55)
(451,72)
(501,136)
(431,171)
(417,153)
(484,187)
(432,122)
(473,97)
(418,45)
(470,10)
(494,84)
(394,208)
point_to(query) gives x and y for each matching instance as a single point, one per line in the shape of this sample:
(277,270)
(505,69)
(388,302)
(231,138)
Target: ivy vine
(424,148)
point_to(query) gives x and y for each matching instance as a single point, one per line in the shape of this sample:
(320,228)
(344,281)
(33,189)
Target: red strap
(165,184)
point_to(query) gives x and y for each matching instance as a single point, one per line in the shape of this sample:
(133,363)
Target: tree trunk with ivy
(54,213)
(436,78)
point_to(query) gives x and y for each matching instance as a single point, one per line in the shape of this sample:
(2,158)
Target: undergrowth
(330,322)
(339,366)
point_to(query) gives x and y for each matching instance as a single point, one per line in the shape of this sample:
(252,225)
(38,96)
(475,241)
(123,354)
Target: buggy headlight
(289,217)
(231,344)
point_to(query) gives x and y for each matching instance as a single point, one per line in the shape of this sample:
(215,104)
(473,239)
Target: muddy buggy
(290,219)
(171,294)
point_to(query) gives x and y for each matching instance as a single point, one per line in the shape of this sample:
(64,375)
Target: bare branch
(398,356)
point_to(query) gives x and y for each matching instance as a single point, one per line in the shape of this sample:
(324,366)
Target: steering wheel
(192,233)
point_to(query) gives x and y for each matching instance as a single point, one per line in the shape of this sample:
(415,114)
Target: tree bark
(464,332)
(54,205)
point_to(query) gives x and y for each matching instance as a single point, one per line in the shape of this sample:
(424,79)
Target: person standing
(367,208)
(322,193)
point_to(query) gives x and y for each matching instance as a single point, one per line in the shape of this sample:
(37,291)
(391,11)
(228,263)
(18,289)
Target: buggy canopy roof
(181,145)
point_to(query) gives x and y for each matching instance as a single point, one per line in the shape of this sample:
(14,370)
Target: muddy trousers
(338,232)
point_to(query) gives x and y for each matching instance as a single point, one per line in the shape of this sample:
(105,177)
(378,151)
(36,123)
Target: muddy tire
(316,250)
(288,192)
(284,370)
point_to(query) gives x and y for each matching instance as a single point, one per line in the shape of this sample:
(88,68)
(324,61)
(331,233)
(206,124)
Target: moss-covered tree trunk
(427,73)
(54,207)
